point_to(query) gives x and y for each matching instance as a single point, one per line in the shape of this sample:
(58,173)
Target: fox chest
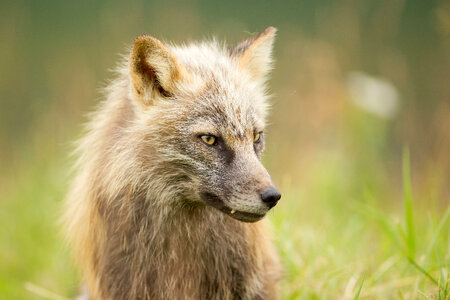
(226,272)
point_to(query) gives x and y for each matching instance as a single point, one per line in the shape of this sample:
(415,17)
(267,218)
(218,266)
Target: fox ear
(255,54)
(153,69)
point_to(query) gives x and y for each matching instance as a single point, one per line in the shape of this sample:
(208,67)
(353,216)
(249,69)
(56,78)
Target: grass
(32,251)
(359,289)
(335,242)
(407,194)
(327,245)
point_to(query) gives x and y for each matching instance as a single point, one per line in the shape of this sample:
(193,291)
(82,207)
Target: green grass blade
(435,245)
(445,290)
(386,224)
(410,240)
(422,270)
(359,289)
(438,230)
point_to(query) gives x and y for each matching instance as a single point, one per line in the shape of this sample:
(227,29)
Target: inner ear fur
(154,69)
(255,54)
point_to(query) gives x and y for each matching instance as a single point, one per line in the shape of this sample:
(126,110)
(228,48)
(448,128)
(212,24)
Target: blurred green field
(366,185)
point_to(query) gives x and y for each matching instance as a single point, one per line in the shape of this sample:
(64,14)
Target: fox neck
(166,245)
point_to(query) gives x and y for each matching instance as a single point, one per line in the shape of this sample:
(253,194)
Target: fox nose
(270,197)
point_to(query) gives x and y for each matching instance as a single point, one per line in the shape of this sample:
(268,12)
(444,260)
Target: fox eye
(257,137)
(209,140)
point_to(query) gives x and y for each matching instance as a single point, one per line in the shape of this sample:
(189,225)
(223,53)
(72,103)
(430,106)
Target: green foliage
(324,252)
(32,251)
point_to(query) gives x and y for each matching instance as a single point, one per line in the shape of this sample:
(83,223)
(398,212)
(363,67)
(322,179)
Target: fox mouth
(242,215)
(216,202)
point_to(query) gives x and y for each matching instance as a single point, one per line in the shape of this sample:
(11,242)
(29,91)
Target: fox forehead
(224,95)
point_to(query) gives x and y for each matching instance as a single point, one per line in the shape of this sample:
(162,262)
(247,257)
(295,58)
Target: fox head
(201,110)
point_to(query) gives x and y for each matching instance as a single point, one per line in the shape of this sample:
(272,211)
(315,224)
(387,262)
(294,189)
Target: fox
(169,195)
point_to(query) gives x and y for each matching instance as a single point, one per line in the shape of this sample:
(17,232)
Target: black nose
(270,197)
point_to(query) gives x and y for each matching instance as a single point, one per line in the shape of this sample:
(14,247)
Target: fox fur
(156,213)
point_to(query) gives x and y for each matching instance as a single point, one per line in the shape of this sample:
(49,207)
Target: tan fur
(153,212)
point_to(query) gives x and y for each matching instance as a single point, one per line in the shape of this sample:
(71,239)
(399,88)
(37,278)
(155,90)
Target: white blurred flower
(373,94)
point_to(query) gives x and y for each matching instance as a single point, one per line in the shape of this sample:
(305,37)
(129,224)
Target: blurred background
(359,141)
